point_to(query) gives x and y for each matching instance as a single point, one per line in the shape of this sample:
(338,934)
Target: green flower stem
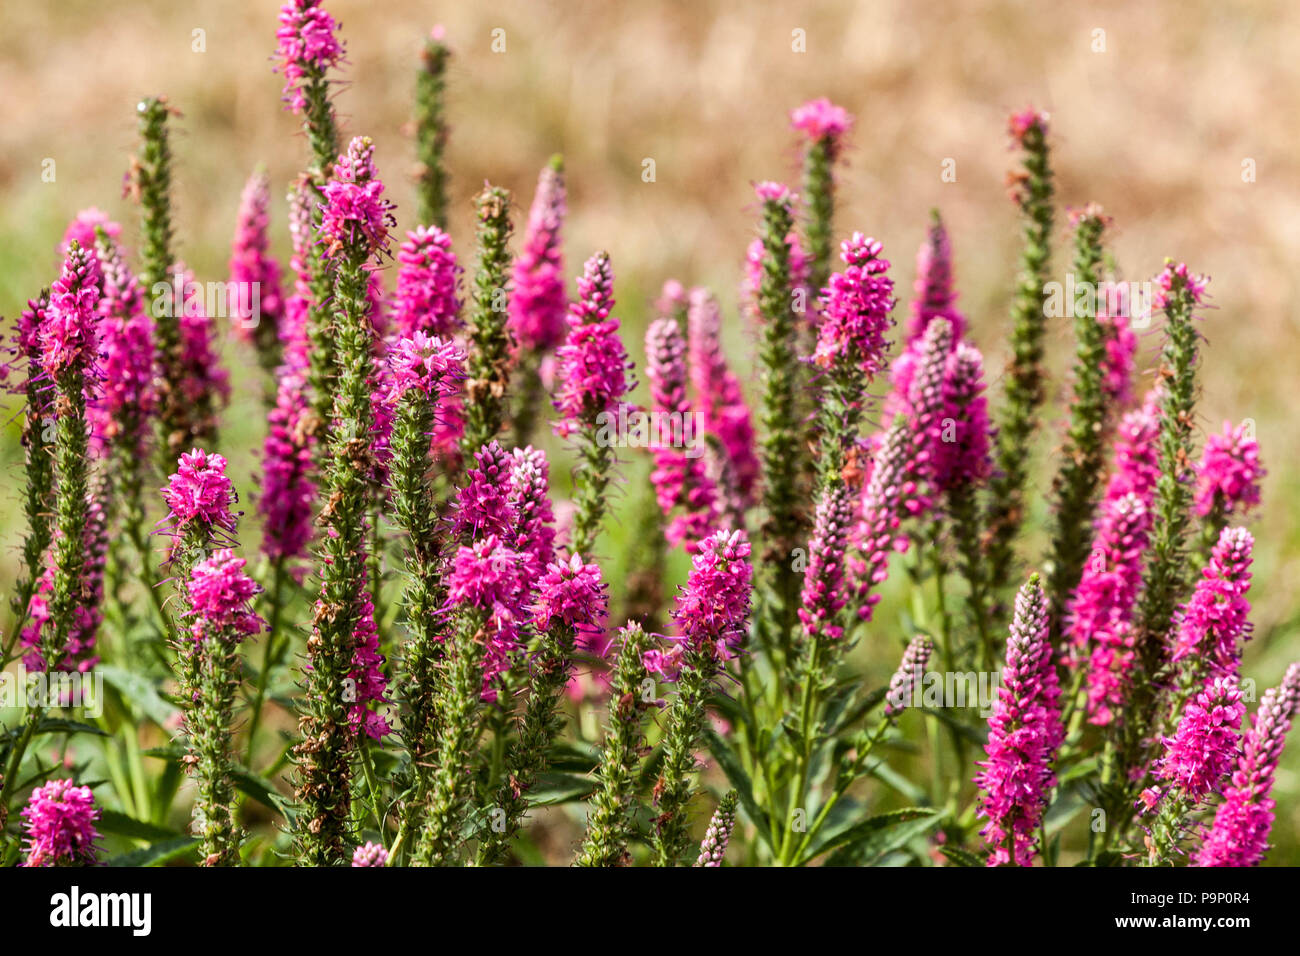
(784,527)
(541,723)
(682,733)
(39,473)
(1024,390)
(1165,579)
(590,479)
(849,771)
(1076,485)
(328,739)
(71,514)
(208,727)
(431,133)
(458,726)
(488,366)
(610,819)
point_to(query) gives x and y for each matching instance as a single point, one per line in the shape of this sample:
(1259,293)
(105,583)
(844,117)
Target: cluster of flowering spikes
(252,268)
(1239,834)
(1024,734)
(61,825)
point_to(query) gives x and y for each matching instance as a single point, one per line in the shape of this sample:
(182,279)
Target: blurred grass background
(1155,127)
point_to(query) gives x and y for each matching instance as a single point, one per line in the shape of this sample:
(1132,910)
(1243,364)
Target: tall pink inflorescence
(824,591)
(428,277)
(355,213)
(487,576)
(126,356)
(593,365)
(538,301)
(1202,750)
(855,316)
(251,265)
(1214,624)
(1239,835)
(1024,734)
(199,492)
(483,505)
(934,295)
(529,498)
(1100,613)
(367,673)
(821,118)
(67,334)
(683,489)
(306,42)
(288,492)
(962,455)
(220,594)
(203,380)
(1229,472)
(571,593)
(719,398)
(712,612)
(60,821)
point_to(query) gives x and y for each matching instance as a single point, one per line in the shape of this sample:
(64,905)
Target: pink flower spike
(1203,748)
(855,316)
(307,48)
(821,119)
(370,854)
(220,593)
(354,214)
(538,301)
(428,277)
(1229,472)
(67,334)
(713,609)
(82,229)
(430,365)
(61,825)
(199,491)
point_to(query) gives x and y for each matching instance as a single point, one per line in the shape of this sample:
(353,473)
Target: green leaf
(865,842)
(140,693)
(740,782)
(573,756)
(60,725)
(111,821)
(959,857)
(157,853)
(892,778)
(553,789)
(261,790)
(979,737)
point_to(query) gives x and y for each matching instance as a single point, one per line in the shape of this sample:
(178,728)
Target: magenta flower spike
(1229,472)
(1214,623)
(538,301)
(370,854)
(1239,835)
(824,591)
(200,493)
(908,677)
(1202,750)
(61,825)
(354,215)
(713,609)
(428,279)
(686,495)
(253,268)
(287,499)
(82,229)
(592,363)
(1024,734)
(820,119)
(306,44)
(856,305)
(719,398)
